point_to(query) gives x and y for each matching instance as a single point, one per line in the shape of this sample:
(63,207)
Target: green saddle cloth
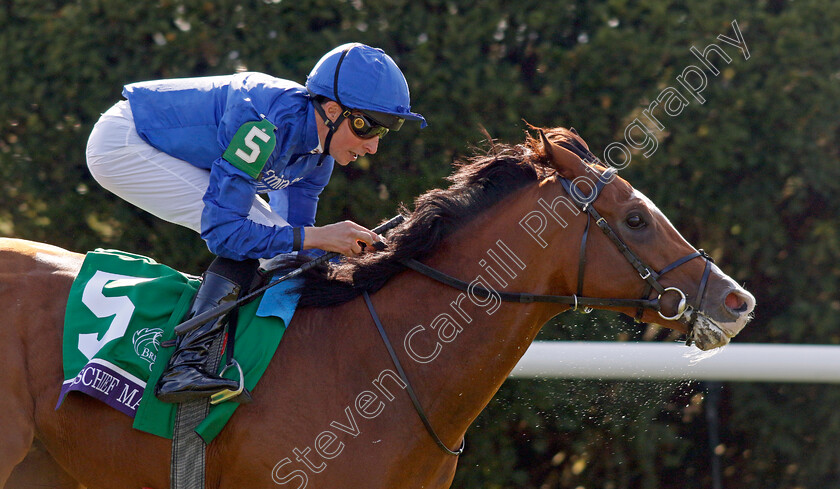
(120,309)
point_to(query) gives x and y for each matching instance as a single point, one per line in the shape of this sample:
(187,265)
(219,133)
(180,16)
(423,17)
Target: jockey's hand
(347,238)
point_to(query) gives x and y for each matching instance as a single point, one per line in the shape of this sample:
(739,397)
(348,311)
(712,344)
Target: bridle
(685,313)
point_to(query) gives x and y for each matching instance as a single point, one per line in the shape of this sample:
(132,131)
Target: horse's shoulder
(23,256)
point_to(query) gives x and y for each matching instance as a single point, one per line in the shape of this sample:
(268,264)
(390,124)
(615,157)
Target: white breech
(154,181)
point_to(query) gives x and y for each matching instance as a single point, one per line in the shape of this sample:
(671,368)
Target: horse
(332,410)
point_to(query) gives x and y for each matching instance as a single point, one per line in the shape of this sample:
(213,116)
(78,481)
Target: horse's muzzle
(722,318)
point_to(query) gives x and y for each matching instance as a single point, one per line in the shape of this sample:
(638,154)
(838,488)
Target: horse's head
(685,291)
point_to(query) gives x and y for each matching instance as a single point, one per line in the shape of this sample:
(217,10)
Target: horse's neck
(458,348)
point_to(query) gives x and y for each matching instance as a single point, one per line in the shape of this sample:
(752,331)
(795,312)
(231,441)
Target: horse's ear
(566,162)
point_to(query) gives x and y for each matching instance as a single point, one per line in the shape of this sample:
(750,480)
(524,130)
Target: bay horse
(331,411)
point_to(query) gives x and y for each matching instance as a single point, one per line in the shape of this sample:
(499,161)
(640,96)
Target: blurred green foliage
(752,175)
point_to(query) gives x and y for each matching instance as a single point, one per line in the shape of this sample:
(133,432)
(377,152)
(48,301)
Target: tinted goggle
(365,127)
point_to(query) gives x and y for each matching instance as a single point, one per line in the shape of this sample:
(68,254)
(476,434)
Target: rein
(408,388)
(685,313)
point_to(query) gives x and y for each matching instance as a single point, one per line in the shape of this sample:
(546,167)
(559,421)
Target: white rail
(661,361)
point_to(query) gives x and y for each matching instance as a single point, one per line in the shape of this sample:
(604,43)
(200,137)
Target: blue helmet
(360,77)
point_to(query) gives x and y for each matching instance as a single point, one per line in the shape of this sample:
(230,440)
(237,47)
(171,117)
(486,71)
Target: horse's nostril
(734,303)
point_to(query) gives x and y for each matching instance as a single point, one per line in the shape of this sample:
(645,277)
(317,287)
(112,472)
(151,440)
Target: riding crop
(206,316)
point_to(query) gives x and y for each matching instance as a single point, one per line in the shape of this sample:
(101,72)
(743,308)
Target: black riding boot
(186,377)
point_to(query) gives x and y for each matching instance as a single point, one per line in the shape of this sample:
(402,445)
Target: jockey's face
(345,145)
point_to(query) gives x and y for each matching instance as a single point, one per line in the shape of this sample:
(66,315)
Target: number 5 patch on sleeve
(251,146)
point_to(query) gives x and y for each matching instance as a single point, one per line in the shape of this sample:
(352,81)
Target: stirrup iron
(227,394)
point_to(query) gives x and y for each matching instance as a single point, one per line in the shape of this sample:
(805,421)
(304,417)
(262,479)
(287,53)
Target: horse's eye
(635,221)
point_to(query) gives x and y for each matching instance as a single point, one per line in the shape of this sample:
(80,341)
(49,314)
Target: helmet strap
(332,125)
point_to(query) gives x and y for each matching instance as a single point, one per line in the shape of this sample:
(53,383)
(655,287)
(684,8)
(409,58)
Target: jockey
(199,151)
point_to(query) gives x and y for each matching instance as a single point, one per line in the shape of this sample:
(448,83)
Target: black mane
(477,184)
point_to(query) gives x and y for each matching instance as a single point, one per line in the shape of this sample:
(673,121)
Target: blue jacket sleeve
(224,222)
(298,202)
(231,192)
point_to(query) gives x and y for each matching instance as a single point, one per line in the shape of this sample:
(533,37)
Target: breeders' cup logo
(147,343)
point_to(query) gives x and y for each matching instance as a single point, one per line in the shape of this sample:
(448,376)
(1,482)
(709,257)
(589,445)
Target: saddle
(123,307)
